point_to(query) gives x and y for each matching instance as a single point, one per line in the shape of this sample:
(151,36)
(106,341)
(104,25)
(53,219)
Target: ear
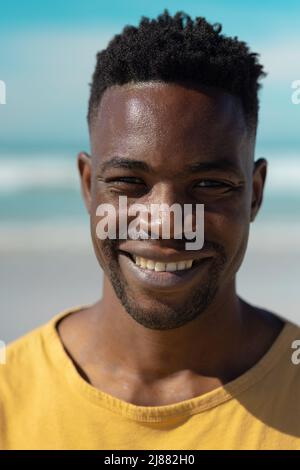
(258,183)
(85,170)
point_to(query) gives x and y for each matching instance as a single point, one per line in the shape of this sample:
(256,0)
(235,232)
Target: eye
(212,184)
(126,180)
(132,186)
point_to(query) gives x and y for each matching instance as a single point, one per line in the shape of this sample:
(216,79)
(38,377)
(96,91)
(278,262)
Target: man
(171,357)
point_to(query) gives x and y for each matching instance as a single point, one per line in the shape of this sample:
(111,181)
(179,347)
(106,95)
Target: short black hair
(175,49)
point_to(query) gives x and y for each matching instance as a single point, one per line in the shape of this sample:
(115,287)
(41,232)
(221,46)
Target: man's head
(172,116)
(175,49)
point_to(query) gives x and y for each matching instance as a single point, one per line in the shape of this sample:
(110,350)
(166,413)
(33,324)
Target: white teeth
(159,266)
(171,267)
(181,265)
(150,264)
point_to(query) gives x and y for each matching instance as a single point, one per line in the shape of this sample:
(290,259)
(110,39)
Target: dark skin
(170,127)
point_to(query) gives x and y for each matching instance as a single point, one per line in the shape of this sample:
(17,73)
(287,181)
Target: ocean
(40,186)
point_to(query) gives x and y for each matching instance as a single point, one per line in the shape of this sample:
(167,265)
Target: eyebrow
(122,162)
(221,165)
(197,167)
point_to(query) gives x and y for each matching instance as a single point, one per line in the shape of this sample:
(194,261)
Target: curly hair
(175,49)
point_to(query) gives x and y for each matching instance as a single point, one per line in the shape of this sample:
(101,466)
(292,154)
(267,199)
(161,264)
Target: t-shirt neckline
(204,402)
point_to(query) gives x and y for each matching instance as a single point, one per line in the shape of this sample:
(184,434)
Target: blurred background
(47,57)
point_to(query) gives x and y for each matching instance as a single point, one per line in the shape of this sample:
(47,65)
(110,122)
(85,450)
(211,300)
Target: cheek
(98,198)
(105,249)
(227,223)
(97,243)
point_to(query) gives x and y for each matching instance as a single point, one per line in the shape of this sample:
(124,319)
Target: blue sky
(48,55)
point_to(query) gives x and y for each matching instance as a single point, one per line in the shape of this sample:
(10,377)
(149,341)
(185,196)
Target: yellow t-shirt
(46,404)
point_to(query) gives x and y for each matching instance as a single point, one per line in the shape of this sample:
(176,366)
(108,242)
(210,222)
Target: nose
(168,211)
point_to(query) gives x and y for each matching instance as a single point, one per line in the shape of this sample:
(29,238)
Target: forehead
(160,118)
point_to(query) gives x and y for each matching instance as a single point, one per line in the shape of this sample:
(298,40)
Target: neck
(203,345)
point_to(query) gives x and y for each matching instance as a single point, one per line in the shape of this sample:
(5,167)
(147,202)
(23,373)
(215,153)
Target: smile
(159,266)
(160,273)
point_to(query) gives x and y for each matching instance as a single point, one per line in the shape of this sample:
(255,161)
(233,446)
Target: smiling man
(171,357)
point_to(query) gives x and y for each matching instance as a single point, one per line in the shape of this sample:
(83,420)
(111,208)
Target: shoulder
(24,360)
(280,366)
(20,376)
(29,358)
(286,346)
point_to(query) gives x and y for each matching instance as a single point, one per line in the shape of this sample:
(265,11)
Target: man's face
(174,144)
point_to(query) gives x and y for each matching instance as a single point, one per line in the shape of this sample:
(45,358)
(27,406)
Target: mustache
(111,246)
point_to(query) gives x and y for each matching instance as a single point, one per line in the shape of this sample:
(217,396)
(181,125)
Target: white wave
(38,173)
(55,172)
(284,175)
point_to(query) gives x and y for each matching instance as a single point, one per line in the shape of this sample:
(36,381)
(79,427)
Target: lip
(162,280)
(164,254)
